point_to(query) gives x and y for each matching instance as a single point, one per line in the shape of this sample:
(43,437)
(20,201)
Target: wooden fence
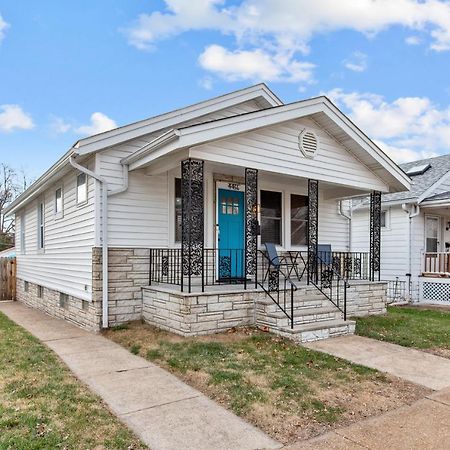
(7,278)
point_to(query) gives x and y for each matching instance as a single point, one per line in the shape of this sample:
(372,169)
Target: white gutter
(349,218)
(104,225)
(408,210)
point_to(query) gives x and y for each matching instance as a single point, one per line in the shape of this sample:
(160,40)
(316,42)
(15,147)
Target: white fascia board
(203,133)
(137,129)
(412,200)
(442,202)
(430,191)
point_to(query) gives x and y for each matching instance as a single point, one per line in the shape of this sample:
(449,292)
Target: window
(22,234)
(40,291)
(41,217)
(81,188)
(58,202)
(63,300)
(299,219)
(26,286)
(230,205)
(271,217)
(178,212)
(84,305)
(383,219)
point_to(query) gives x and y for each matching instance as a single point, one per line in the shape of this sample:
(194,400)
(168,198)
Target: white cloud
(99,123)
(206,83)
(59,125)
(254,65)
(413,40)
(292,23)
(13,117)
(3,27)
(357,62)
(407,128)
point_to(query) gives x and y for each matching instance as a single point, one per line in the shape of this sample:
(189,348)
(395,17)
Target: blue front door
(231,234)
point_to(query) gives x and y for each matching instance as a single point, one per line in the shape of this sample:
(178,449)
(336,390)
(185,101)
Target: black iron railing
(276,282)
(324,276)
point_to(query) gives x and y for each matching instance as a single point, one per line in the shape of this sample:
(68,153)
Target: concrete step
(319,330)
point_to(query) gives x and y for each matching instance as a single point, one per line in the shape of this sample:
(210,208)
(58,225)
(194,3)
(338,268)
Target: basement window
(26,286)
(63,300)
(40,291)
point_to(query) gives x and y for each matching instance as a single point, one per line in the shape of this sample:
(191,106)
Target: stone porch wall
(366,298)
(80,312)
(196,314)
(128,270)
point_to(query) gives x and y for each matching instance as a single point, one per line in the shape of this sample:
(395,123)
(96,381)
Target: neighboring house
(185,200)
(415,233)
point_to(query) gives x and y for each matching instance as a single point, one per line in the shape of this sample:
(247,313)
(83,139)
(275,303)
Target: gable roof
(321,109)
(259,92)
(422,184)
(84,147)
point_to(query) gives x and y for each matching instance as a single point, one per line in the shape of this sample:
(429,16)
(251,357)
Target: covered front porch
(257,204)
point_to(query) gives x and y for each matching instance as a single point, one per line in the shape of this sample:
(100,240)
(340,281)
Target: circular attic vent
(308,143)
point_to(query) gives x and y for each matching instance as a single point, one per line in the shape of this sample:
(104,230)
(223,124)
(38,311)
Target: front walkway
(163,411)
(422,426)
(413,365)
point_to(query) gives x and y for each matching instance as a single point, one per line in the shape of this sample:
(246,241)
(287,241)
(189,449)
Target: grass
(42,406)
(425,329)
(289,391)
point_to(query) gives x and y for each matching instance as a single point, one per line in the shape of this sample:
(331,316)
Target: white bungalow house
(185,203)
(415,250)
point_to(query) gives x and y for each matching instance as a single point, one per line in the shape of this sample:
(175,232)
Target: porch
(302,288)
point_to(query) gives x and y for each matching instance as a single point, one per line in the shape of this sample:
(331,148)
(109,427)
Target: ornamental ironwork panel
(313,228)
(192,225)
(326,278)
(274,280)
(251,220)
(375,234)
(224,267)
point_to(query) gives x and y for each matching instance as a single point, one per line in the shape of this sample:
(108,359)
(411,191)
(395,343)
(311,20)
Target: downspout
(349,218)
(411,214)
(104,226)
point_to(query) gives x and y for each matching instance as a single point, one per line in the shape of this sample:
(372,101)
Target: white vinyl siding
(66,265)
(139,216)
(394,240)
(275,149)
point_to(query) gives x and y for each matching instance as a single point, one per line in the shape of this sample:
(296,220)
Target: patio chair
(276,264)
(324,253)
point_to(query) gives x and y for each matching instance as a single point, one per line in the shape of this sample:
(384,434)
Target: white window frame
(282,217)
(82,202)
(58,214)
(387,219)
(41,225)
(22,233)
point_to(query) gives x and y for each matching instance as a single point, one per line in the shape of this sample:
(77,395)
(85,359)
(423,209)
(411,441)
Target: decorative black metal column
(375,235)
(192,225)
(313,228)
(251,224)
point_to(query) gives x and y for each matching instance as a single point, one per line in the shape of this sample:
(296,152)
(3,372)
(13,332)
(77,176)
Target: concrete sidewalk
(422,426)
(163,411)
(413,365)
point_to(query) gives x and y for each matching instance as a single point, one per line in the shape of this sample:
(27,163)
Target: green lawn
(287,390)
(411,327)
(42,406)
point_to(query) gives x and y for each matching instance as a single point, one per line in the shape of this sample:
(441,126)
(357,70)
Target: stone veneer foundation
(130,298)
(80,312)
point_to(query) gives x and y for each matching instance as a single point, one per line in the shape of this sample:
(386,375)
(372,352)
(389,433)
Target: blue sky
(69,69)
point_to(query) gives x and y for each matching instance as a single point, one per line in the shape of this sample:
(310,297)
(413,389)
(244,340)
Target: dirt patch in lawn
(289,391)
